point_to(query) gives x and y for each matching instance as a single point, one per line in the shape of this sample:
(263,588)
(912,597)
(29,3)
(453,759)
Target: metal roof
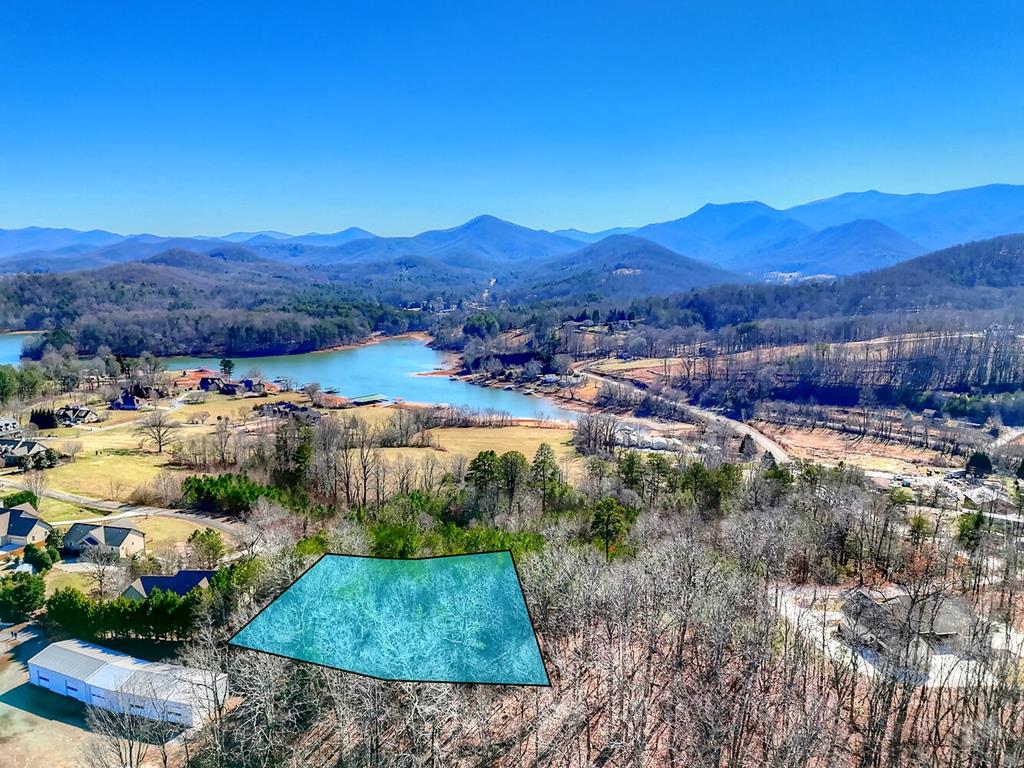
(118,672)
(74,658)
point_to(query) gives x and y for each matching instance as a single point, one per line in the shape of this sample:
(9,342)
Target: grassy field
(234,408)
(57,579)
(469,441)
(164,532)
(54,509)
(107,474)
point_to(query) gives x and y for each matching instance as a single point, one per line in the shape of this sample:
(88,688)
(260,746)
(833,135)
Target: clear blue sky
(181,118)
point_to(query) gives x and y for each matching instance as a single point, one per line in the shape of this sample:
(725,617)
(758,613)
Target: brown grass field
(831,447)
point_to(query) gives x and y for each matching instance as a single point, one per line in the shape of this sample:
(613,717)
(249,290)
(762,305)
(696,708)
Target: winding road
(763,442)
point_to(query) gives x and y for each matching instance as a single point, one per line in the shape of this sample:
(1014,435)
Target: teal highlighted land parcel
(456,619)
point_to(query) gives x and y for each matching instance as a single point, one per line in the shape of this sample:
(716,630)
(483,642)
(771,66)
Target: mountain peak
(486,220)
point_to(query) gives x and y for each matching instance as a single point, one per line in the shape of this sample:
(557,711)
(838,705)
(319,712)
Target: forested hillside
(982,276)
(181,302)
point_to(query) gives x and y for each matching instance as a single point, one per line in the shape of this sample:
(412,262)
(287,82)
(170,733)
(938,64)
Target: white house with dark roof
(122,541)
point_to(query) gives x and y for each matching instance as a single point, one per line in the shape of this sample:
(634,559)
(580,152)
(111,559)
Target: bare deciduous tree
(160,429)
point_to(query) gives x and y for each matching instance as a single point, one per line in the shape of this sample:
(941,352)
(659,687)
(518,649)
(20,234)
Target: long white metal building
(116,681)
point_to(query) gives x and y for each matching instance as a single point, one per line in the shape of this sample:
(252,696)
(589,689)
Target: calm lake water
(10,347)
(389,368)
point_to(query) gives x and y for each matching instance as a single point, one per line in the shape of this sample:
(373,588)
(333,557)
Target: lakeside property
(392,367)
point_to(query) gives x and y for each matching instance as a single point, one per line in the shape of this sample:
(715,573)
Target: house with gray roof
(13,450)
(72,415)
(906,628)
(122,541)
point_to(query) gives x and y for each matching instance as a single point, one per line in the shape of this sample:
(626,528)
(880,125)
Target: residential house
(258,386)
(20,526)
(122,541)
(180,583)
(9,427)
(72,415)
(190,379)
(147,392)
(13,450)
(301,413)
(905,628)
(212,383)
(126,401)
(991,499)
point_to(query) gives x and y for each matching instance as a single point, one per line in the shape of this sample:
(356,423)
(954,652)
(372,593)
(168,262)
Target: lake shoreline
(377,338)
(402,368)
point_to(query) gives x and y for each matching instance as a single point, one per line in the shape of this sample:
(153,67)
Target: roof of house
(985,494)
(107,535)
(76,408)
(374,398)
(20,521)
(180,583)
(888,618)
(20,447)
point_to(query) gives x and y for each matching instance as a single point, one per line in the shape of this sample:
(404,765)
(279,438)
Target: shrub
(21,497)
(42,557)
(20,595)
(43,418)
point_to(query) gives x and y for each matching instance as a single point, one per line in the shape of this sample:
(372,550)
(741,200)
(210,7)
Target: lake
(10,347)
(389,368)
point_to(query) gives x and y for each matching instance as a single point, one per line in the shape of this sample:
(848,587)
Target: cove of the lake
(11,345)
(392,368)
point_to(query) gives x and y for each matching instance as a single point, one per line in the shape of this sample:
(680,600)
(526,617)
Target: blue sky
(205,118)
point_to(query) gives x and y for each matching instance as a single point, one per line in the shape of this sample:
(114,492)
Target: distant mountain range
(849,233)
(616,267)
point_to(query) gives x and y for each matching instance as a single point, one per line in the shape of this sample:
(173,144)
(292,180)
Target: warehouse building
(116,681)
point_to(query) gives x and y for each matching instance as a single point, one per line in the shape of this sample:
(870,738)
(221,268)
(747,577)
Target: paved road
(764,442)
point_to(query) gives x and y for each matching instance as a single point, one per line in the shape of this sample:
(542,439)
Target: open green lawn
(57,579)
(163,532)
(108,474)
(55,510)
